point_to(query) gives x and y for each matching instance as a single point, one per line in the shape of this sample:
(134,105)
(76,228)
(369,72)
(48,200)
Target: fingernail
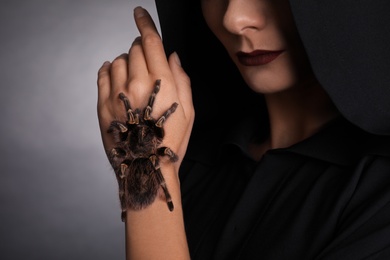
(106,63)
(139,11)
(177,59)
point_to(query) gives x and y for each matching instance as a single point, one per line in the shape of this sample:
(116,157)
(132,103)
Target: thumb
(182,81)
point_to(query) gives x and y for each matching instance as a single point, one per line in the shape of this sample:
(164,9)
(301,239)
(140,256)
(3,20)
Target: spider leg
(118,130)
(123,197)
(122,181)
(123,202)
(118,125)
(130,115)
(113,153)
(161,181)
(167,113)
(166,151)
(115,156)
(149,107)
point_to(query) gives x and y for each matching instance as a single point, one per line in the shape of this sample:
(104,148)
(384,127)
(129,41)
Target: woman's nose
(243,15)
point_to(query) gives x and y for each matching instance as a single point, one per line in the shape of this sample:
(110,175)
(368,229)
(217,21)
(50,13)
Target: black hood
(347,42)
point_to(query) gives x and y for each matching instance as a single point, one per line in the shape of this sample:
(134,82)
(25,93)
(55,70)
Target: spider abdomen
(142,183)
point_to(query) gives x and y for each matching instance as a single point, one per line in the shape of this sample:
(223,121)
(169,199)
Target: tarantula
(136,157)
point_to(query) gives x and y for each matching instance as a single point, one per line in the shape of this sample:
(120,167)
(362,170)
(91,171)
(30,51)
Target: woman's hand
(135,73)
(153,232)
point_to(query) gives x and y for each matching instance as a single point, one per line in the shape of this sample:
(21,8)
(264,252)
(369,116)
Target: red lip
(258,57)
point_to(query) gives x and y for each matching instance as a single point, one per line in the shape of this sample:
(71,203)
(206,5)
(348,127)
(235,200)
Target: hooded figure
(347,44)
(327,197)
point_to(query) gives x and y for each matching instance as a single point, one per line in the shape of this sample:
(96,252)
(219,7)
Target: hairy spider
(136,157)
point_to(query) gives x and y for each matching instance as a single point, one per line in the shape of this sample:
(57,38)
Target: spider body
(136,155)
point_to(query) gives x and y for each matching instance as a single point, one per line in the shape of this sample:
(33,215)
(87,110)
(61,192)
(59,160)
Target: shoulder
(364,223)
(372,171)
(375,159)
(378,145)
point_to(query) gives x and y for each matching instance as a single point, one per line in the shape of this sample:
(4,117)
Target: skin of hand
(134,73)
(154,232)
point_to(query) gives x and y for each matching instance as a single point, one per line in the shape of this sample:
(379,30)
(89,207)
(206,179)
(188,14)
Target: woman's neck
(295,115)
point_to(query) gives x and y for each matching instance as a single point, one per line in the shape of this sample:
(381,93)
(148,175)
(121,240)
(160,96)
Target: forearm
(155,232)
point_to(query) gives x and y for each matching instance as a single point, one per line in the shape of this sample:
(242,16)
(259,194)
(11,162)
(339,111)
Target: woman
(294,167)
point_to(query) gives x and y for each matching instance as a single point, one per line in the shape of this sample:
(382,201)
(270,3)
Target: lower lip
(260,59)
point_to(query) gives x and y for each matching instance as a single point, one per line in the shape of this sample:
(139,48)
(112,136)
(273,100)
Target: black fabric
(327,197)
(348,44)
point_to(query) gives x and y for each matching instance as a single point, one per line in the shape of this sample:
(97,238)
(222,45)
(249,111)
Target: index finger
(156,59)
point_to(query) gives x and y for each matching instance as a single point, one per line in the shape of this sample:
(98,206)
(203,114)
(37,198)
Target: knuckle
(103,77)
(102,72)
(137,43)
(135,83)
(151,39)
(118,63)
(138,88)
(101,81)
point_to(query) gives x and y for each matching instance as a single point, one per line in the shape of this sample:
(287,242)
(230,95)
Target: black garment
(347,43)
(326,197)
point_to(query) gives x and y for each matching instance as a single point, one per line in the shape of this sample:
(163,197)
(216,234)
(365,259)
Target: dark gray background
(58,193)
